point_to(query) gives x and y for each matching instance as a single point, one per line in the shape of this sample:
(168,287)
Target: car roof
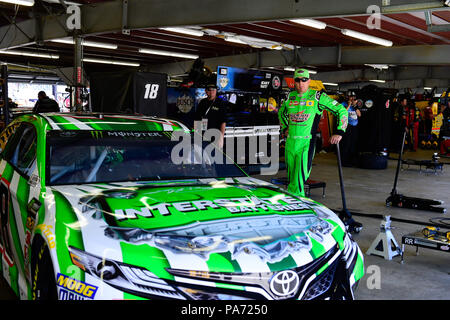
(104,121)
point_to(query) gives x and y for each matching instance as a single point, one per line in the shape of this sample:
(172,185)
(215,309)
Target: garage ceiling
(411,30)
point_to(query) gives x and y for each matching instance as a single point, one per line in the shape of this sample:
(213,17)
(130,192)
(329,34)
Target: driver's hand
(335,139)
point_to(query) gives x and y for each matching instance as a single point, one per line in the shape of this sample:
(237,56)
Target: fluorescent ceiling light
(87,43)
(188,31)
(311,23)
(234,40)
(293,69)
(366,37)
(30,54)
(377,66)
(115,62)
(28,3)
(380,81)
(20,76)
(428,88)
(276,47)
(330,84)
(169,53)
(47,78)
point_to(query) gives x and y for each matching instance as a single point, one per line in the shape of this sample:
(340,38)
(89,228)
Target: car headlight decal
(124,277)
(350,252)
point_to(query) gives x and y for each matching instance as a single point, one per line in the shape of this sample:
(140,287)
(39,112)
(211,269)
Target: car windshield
(76,157)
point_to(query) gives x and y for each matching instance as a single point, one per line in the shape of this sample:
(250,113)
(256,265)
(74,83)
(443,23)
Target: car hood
(219,224)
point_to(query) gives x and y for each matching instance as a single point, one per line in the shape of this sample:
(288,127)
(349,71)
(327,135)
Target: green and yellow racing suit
(300,114)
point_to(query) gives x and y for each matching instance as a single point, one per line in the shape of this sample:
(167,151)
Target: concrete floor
(421,277)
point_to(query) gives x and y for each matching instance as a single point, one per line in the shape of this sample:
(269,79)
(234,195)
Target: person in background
(428,118)
(349,143)
(45,104)
(411,122)
(211,113)
(407,120)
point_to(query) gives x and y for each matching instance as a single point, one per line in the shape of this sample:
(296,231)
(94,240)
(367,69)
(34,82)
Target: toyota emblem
(284,283)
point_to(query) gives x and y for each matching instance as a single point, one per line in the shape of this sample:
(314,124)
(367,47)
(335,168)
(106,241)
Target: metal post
(394,189)
(341,180)
(4,76)
(78,72)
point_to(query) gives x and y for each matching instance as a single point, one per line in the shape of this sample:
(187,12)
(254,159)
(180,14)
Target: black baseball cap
(211,86)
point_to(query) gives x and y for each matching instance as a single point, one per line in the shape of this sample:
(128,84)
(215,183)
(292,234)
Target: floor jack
(401,201)
(345,215)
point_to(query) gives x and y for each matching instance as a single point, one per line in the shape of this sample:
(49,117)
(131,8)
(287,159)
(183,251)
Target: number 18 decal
(151,91)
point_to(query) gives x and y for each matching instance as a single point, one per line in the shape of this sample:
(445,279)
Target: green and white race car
(93,207)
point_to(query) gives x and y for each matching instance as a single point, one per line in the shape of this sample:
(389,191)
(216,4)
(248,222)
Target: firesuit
(300,114)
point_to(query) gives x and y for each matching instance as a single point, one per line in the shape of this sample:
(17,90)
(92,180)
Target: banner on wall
(129,92)
(181,104)
(150,93)
(248,80)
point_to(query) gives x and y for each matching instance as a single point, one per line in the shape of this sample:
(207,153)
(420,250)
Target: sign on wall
(150,93)
(236,79)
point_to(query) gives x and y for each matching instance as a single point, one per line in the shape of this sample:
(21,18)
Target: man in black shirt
(45,104)
(211,113)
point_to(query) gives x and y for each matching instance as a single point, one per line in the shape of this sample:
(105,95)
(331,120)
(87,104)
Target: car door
(17,218)
(5,177)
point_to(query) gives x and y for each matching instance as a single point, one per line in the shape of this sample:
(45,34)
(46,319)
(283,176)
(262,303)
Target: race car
(93,206)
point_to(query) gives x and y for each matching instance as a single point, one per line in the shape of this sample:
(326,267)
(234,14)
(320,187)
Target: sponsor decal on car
(72,289)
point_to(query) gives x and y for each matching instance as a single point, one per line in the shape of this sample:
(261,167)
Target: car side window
(21,153)
(6,134)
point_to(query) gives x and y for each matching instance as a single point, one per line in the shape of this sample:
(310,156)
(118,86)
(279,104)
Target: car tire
(43,283)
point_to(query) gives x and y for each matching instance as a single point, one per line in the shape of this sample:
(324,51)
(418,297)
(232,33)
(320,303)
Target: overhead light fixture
(87,43)
(377,66)
(310,23)
(28,3)
(291,69)
(188,31)
(169,53)
(234,40)
(379,81)
(114,62)
(330,84)
(20,76)
(30,54)
(428,88)
(366,37)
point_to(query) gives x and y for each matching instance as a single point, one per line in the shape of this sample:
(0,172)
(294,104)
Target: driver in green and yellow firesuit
(299,118)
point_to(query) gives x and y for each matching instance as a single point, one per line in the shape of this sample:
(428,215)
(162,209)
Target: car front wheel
(42,274)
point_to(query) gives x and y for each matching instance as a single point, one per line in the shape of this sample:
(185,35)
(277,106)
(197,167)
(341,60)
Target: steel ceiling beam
(107,17)
(392,74)
(323,56)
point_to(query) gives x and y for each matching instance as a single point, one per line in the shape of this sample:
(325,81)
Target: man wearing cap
(211,113)
(299,118)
